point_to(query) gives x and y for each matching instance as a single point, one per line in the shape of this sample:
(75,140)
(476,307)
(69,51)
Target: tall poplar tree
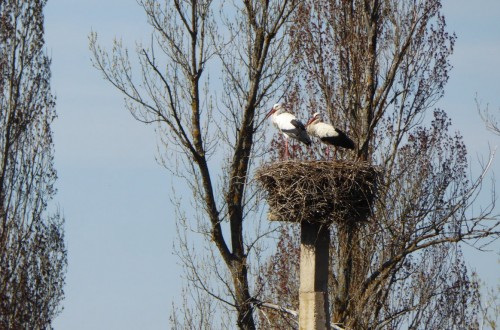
(377,69)
(32,251)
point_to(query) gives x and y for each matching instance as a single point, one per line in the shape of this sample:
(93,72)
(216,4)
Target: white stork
(327,133)
(289,125)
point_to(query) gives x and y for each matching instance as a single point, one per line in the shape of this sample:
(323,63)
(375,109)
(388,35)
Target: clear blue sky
(119,221)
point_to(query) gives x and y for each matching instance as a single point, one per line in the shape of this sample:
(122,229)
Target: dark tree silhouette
(32,251)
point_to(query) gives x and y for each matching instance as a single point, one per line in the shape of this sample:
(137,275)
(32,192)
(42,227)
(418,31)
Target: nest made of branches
(319,191)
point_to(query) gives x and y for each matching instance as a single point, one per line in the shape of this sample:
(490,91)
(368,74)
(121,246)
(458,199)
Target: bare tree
(378,67)
(32,251)
(490,119)
(210,68)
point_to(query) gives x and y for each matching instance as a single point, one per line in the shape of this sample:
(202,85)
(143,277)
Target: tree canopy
(377,69)
(32,250)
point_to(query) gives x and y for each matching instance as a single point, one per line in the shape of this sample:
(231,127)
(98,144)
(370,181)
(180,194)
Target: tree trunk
(346,234)
(243,300)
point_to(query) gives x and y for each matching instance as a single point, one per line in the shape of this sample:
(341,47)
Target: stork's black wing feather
(298,124)
(341,140)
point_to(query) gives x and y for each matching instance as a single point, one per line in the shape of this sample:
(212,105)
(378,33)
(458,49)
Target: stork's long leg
(286,149)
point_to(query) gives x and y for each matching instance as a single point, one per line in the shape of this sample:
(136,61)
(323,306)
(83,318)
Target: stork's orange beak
(309,121)
(273,110)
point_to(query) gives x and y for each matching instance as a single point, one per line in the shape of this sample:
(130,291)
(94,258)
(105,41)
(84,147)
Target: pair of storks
(291,127)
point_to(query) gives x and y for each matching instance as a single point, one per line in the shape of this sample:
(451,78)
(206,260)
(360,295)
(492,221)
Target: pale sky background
(119,221)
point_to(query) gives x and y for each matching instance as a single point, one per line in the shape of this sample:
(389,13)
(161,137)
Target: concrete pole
(314,267)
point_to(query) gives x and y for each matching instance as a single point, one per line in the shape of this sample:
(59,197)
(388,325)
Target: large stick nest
(319,191)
